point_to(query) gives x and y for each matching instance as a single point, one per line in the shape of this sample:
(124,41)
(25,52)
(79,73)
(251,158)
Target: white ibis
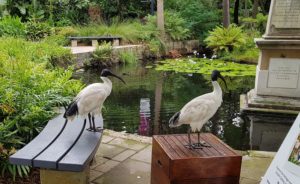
(89,100)
(199,110)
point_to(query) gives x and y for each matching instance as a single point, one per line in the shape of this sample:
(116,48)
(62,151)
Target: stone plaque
(286,14)
(283,73)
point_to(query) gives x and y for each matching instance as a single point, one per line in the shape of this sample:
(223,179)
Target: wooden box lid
(216,161)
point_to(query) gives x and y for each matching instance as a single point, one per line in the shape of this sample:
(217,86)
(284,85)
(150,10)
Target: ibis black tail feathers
(173,122)
(72,110)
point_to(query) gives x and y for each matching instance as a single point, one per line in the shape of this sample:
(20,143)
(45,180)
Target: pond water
(145,104)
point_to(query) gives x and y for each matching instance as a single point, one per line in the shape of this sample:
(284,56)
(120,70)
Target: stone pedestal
(277,72)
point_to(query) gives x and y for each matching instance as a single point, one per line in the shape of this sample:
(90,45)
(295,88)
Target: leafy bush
(36,31)
(259,23)
(175,25)
(200,15)
(226,39)
(128,57)
(29,92)
(12,26)
(102,55)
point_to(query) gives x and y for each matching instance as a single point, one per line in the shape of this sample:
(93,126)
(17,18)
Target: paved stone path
(126,158)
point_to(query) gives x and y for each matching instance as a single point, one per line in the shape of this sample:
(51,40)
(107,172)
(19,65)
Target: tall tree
(255,8)
(226,13)
(236,12)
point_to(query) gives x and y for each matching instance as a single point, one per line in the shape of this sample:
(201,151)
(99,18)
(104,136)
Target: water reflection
(150,98)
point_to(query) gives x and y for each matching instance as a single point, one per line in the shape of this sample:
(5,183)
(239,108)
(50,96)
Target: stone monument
(276,96)
(278,69)
(277,83)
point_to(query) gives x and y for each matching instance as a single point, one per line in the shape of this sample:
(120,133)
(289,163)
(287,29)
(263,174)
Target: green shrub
(29,92)
(128,57)
(12,26)
(200,15)
(259,23)
(36,31)
(226,39)
(102,55)
(175,25)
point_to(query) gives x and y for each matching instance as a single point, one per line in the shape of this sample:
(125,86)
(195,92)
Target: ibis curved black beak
(114,75)
(223,79)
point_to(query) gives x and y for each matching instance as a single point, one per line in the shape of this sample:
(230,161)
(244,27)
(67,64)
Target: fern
(225,39)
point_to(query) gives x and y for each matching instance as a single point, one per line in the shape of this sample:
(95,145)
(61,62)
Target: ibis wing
(90,100)
(197,110)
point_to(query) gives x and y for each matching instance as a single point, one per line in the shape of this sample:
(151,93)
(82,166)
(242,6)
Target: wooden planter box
(172,163)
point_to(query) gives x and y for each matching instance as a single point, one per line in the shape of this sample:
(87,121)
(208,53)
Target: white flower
(195,52)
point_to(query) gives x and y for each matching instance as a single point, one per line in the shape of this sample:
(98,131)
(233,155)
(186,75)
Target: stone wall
(184,47)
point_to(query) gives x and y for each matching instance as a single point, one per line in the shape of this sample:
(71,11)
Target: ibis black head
(107,72)
(217,74)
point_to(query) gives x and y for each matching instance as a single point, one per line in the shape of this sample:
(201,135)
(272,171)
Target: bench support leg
(116,42)
(64,177)
(74,43)
(94,43)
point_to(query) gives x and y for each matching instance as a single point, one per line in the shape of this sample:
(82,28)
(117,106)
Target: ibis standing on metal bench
(89,101)
(199,110)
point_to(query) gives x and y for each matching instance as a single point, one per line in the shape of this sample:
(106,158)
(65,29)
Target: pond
(145,104)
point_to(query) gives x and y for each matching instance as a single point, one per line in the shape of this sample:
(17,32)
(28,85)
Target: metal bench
(114,39)
(63,151)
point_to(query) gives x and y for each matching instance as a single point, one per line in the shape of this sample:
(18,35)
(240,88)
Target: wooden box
(173,163)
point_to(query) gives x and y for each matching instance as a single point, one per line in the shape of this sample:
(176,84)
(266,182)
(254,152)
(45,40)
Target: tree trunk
(160,17)
(255,8)
(236,12)
(226,13)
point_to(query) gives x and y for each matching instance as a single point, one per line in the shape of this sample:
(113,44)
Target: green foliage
(128,57)
(259,23)
(248,52)
(225,39)
(36,31)
(102,54)
(205,66)
(12,26)
(200,15)
(29,92)
(175,25)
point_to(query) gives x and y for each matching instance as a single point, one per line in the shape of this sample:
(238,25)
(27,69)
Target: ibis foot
(200,145)
(90,129)
(193,146)
(98,129)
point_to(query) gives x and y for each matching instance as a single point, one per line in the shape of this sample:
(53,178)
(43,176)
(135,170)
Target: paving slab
(98,161)
(129,144)
(109,151)
(128,172)
(106,139)
(248,181)
(107,166)
(254,167)
(144,155)
(95,174)
(124,155)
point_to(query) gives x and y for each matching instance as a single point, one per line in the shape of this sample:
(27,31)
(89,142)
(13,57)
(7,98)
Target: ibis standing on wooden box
(89,101)
(199,110)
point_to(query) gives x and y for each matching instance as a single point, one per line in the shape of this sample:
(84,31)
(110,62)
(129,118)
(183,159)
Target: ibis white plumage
(89,100)
(199,110)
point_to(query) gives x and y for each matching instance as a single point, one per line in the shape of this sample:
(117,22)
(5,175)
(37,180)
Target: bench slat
(39,143)
(83,151)
(94,37)
(49,158)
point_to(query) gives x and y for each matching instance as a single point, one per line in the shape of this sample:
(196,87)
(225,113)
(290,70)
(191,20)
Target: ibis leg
(200,143)
(190,145)
(90,122)
(98,129)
